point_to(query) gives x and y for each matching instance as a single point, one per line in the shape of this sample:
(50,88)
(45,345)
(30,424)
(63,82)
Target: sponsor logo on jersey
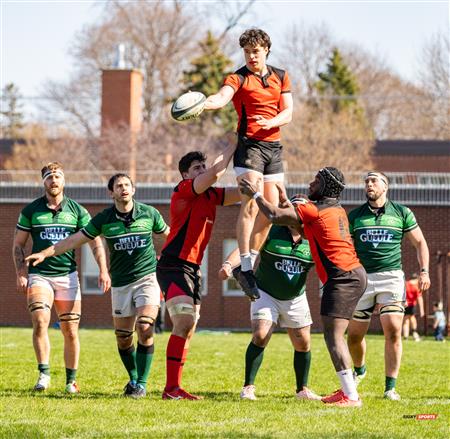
(54,234)
(130,243)
(377,236)
(290,267)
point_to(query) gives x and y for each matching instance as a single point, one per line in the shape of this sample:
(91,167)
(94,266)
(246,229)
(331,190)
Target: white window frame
(228,245)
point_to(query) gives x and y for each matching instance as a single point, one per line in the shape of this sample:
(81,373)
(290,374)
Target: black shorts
(257,155)
(342,293)
(410,310)
(178,278)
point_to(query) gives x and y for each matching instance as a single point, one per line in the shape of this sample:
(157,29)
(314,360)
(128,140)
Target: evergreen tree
(338,81)
(12,117)
(206,76)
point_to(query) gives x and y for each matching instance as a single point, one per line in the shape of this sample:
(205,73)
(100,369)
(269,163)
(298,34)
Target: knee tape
(36,306)
(69,317)
(392,309)
(145,320)
(182,308)
(363,315)
(123,333)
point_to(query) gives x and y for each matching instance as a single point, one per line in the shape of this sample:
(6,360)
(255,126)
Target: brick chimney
(121,105)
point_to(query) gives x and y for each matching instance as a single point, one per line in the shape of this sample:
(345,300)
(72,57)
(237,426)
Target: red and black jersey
(258,95)
(327,231)
(192,217)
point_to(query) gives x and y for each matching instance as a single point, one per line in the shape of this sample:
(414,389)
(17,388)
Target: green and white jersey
(47,227)
(131,250)
(378,236)
(283,265)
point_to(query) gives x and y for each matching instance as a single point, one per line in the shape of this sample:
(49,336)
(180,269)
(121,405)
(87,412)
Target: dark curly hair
(255,37)
(186,161)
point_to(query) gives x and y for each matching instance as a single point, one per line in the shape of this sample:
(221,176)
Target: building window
(204,270)
(230,287)
(89,272)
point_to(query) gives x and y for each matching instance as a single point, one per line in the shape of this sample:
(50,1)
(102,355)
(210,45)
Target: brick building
(223,306)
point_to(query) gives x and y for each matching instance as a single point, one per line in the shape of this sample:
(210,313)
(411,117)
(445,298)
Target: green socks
(70,375)
(128,357)
(44,368)
(253,360)
(390,383)
(144,357)
(302,363)
(360,370)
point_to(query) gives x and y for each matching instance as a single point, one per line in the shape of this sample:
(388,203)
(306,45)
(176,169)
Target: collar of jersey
(62,205)
(134,211)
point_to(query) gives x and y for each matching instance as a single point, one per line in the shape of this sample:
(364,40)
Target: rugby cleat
(138,392)
(72,388)
(359,378)
(391,395)
(129,388)
(345,401)
(247,281)
(248,392)
(308,394)
(333,397)
(179,393)
(43,382)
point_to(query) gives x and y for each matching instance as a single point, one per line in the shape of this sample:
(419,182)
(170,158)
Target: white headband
(377,176)
(55,172)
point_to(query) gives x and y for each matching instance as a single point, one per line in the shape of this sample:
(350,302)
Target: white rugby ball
(188,106)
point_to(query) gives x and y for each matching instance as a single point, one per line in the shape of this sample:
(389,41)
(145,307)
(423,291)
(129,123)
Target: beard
(314,196)
(54,191)
(373,196)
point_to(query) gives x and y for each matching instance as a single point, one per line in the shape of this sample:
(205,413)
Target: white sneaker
(72,387)
(392,395)
(248,392)
(308,394)
(43,382)
(358,378)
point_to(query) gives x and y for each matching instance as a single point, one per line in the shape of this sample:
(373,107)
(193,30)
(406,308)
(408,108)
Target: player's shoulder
(280,73)
(357,212)
(401,209)
(146,209)
(75,205)
(35,206)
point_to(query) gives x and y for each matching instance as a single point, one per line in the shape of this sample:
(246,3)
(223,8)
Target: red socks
(175,358)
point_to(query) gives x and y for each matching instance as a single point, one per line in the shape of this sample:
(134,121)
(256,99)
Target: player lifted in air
(192,215)
(127,227)
(343,278)
(378,228)
(262,98)
(49,220)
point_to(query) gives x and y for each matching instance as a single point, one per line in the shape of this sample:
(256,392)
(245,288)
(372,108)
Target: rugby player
(378,228)
(262,98)
(192,215)
(343,278)
(48,220)
(127,227)
(284,263)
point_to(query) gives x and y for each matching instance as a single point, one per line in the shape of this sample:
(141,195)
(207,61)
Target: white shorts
(65,288)
(287,313)
(126,299)
(277,178)
(384,287)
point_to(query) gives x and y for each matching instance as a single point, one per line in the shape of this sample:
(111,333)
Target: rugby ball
(188,106)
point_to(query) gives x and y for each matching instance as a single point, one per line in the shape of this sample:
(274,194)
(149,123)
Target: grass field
(215,370)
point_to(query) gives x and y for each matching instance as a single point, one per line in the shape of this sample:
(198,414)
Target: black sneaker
(129,388)
(247,282)
(138,392)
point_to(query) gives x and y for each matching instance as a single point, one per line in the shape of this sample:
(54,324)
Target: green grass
(215,370)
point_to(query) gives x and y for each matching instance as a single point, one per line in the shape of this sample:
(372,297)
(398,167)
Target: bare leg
(356,341)
(69,330)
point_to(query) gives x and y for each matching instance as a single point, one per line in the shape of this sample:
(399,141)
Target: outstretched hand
(247,188)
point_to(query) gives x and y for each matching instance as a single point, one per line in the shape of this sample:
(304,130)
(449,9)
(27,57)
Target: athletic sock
(44,368)
(144,357)
(128,357)
(253,359)
(253,256)
(302,363)
(348,384)
(70,375)
(175,358)
(360,370)
(246,262)
(390,383)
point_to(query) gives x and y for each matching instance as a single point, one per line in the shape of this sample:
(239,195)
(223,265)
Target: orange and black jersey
(258,95)
(327,231)
(192,217)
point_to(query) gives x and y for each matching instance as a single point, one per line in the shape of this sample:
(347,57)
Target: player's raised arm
(207,178)
(220,99)
(73,241)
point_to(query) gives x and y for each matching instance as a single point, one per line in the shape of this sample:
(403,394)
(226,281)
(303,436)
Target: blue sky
(35,35)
